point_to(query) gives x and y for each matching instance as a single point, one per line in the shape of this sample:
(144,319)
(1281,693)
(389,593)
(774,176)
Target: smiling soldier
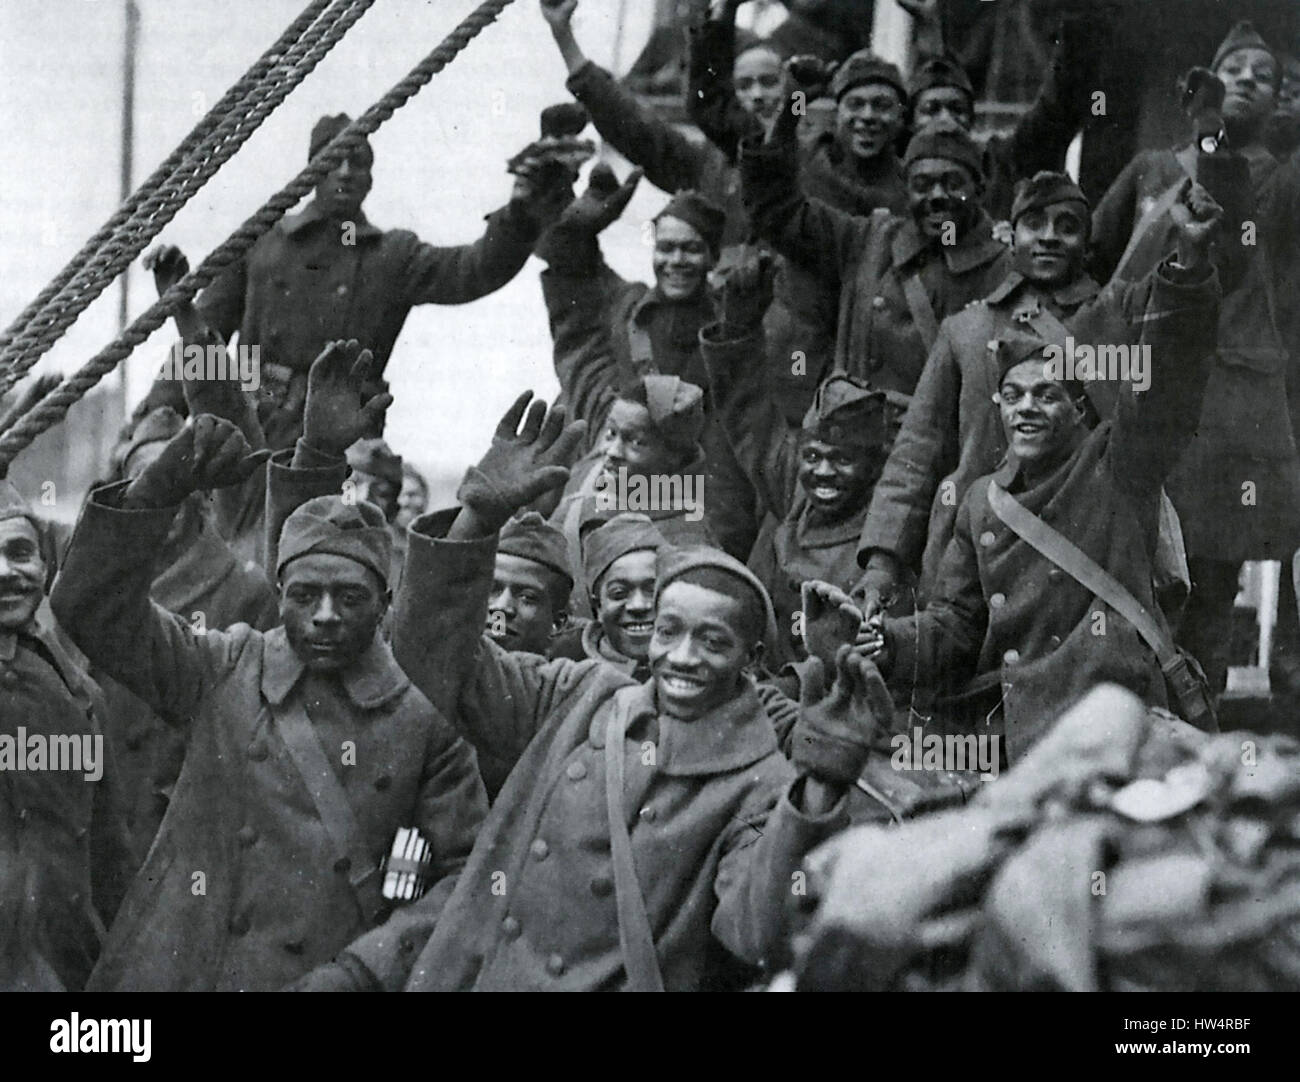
(1013,635)
(307,746)
(952,432)
(645,824)
(897,277)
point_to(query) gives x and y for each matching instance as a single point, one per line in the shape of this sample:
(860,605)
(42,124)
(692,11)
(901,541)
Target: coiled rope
(54,406)
(155,204)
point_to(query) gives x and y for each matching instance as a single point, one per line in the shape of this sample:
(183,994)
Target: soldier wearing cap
(328,273)
(1009,639)
(1237,488)
(952,433)
(608,332)
(940,89)
(815,483)
(644,826)
(897,276)
(618,571)
(648,440)
(63,847)
(307,745)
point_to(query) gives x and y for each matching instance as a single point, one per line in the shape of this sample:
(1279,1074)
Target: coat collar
(74,679)
(311,215)
(596,644)
(735,735)
(199,570)
(371,682)
(1014,285)
(974,248)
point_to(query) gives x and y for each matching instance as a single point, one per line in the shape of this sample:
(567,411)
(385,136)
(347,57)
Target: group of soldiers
(862,461)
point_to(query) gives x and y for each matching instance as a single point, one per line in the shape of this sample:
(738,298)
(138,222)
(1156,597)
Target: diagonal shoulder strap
(1081,567)
(327,794)
(918,303)
(634,932)
(1187,159)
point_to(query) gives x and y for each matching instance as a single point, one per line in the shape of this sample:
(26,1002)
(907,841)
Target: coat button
(878,302)
(257,751)
(997,601)
(1011,657)
(383,782)
(1055,573)
(510,926)
(343,865)
(987,538)
(577,770)
(296,947)
(9,679)
(342,290)
(1056,640)
(602,886)
(555,965)
(239,925)
(539,849)
(247,835)
(648,814)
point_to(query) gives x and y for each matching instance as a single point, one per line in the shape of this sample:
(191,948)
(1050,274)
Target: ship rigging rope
(225,129)
(54,406)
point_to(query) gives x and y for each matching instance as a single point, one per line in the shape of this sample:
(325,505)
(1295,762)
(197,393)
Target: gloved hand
(745,291)
(878,588)
(522,464)
(830,619)
(206,454)
(833,737)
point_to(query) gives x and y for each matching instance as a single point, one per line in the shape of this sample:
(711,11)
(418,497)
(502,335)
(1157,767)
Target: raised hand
(746,291)
(342,404)
(168,265)
(834,734)
(559,13)
(602,203)
(830,619)
(1196,215)
(521,465)
(209,453)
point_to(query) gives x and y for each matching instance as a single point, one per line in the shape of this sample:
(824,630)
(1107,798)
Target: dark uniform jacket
(790,549)
(1237,489)
(64,862)
(300,287)
(1001,613)
(800,323)
(608,332)
(274,898)
(715,838)
(205,583)
(952,431)
(865,260)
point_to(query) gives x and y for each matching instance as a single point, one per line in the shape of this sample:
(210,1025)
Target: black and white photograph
(650,495)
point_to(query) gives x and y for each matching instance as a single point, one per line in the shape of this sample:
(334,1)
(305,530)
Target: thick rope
(159,209)
(201,131)
(54,407)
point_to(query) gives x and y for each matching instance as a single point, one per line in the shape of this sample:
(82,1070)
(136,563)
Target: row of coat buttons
(554,963)
(258,752)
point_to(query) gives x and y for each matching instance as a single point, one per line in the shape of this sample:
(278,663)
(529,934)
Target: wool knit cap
(332,526)
(612,540)
(12,505)
(864,66)
(701,214)
(942,70)
(326,128)
(673,563)
(1017,347)
(531,537)
(946,139)
(1043,189)
(846,410)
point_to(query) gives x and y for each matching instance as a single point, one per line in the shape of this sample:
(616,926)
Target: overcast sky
(439,169)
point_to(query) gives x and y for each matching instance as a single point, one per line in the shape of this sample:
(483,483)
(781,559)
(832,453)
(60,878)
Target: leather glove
(833,737)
